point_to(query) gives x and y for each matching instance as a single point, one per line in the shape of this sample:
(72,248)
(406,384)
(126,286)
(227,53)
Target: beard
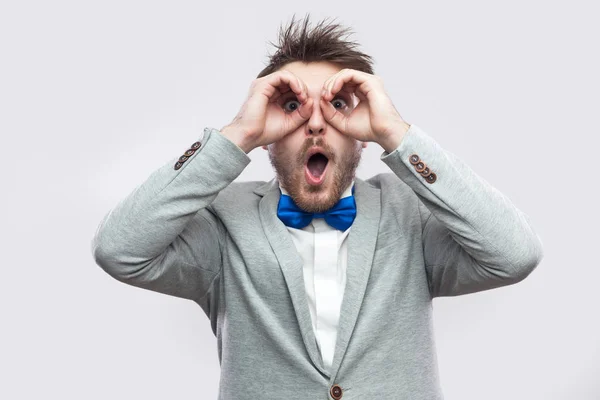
(310,198)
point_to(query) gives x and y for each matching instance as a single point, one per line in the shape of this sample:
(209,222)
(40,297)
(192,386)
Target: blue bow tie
(341,216)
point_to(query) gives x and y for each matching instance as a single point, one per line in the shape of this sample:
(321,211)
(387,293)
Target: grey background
(94,96)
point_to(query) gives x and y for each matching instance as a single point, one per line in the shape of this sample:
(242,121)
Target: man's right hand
(262,119)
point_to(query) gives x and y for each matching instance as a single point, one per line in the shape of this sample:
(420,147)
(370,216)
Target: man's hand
(261,119)
(375,119)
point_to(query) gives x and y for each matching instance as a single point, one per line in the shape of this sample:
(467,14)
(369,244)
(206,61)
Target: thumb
(303,113)
(331,115)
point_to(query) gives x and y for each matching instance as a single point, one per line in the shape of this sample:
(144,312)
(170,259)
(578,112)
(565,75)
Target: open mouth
(316,168)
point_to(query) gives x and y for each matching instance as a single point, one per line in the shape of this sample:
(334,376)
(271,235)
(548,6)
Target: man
(318,284)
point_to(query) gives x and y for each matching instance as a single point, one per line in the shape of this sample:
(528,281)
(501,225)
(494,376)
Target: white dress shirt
(324,252)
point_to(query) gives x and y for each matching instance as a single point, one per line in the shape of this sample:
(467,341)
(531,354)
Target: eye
(291,100)
(336,101)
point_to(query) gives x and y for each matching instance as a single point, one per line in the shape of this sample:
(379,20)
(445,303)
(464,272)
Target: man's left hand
(374,119)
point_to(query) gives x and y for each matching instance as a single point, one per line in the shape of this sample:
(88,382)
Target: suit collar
(268,186)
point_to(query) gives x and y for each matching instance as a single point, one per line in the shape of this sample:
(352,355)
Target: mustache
(327,150)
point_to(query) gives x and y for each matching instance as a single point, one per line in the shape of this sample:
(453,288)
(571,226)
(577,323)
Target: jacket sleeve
(474,238)
(164,236)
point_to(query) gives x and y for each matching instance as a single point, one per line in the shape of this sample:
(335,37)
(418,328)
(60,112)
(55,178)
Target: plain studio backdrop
(96,95)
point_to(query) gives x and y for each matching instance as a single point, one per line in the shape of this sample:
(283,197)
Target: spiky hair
(324,42)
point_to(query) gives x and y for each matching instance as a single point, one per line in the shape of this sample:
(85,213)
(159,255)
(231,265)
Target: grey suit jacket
(190,231)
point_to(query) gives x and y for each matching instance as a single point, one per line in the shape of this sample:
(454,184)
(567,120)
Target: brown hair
(323,43)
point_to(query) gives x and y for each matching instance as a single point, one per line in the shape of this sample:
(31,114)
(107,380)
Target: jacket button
(183,159)
(431,178)
(336,392)
(425,172)
(195,145)
(414,159)
(189,153)
(420,166)
(178,165)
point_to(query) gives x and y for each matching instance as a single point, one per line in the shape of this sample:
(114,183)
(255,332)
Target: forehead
(312,73)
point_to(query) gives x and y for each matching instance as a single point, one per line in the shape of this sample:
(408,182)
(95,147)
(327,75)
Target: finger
(282,82)
(305,91)
(303,113)
(327,86)
(353,81)
(332,116)
(300,96)
(361,96)
(300,92)
(329,94)
(305,109)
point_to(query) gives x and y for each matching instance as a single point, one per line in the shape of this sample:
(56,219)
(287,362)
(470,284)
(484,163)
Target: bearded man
(318,284)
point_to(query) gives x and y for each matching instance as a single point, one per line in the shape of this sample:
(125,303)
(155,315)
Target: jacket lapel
(291,265)
(361,246)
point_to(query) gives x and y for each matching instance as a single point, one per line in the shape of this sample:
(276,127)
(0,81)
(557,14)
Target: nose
(316,123)
(317,130)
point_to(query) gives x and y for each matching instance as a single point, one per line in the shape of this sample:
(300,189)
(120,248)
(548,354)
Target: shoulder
(388,182)
(394,192)
(238,195)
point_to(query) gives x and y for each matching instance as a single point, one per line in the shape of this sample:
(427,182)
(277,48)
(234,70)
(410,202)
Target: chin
(321,189)
(318,198)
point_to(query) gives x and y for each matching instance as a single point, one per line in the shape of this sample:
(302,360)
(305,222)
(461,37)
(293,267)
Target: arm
(164,236)
(474,238)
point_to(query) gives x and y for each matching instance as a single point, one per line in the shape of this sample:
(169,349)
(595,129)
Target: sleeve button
(425,172)
(431,177)
(414,159)
(189,153)
(420,166)
(195,146)
(178,165)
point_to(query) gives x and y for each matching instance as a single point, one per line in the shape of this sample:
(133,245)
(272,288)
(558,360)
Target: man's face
(315,183)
